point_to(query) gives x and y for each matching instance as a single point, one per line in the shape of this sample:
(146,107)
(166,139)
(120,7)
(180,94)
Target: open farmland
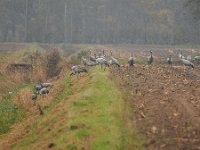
(165,99)
(142,107)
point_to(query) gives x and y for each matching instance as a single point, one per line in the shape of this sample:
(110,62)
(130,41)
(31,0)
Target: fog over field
(100,21)
(100,74)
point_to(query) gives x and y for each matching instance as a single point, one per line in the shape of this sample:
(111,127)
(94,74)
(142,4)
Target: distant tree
(100,21)
(194,6)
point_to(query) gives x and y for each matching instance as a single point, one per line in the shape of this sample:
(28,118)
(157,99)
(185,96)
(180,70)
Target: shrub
(53,60)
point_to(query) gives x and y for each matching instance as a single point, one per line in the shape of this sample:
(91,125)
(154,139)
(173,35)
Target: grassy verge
(10,113)
(97,116)
(66,87)
(93,117)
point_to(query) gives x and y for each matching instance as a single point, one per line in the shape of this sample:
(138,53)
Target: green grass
(100,109)
(10,113)
(66,91)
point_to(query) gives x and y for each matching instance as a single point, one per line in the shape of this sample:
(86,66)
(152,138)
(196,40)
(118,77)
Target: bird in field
(46,84)
(44,91)
(180,55)
(169,60)
(102,61)
(34,97)
(150,58)
(77,70)
(92,58)
(131,61)
(115,61)
(38,87)
(187,63)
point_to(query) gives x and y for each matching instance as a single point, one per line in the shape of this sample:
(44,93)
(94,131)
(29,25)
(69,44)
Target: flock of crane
(41,89)
(102,60)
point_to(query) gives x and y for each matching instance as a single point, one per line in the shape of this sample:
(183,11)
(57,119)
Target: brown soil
(166,104)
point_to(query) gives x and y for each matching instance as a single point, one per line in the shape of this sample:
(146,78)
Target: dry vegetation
(22,68)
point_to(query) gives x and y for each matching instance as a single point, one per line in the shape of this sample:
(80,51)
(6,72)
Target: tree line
(100,21)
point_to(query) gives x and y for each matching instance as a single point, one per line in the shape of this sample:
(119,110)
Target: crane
(150,58)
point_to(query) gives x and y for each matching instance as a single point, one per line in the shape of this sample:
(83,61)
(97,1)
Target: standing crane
(150,58)
(131,60)
(114,61)
(102,61)
(169,60)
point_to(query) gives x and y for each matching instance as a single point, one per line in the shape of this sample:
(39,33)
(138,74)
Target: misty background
(100,21)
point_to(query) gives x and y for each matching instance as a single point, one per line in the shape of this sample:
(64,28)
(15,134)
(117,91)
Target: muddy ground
(165,100)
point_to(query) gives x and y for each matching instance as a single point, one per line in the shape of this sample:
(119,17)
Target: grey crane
(38,87)
(187,63)
(41,89)
(102,61)
(150,58)
(93,58)
(169,60)
(46,84)
(91,63)
(111,62)
(34,97)
(101,56)
(131,61)
(84,60)
(180,55)
(115,61)
(44,91)
(77,70)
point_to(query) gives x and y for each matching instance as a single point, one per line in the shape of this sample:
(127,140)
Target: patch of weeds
(82,133)
(79,104)
(71,147)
